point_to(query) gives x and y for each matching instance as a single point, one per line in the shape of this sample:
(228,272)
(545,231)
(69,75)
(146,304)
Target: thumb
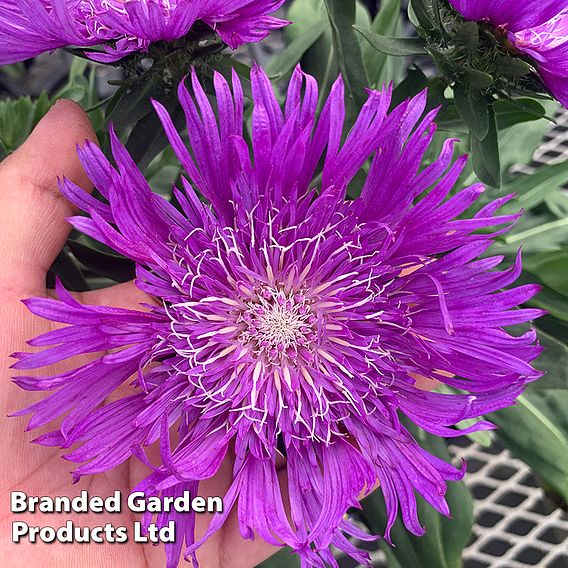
(33,229)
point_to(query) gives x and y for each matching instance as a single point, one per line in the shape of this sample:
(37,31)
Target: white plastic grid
(516,524)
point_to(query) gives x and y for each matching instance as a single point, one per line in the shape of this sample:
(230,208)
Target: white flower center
(279,325)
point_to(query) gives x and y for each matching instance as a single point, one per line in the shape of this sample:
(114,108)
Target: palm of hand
(32,232)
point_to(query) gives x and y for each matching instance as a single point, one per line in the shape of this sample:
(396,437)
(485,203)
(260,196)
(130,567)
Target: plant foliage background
(371,44)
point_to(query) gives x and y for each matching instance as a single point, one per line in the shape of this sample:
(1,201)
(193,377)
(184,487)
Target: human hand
(33,230)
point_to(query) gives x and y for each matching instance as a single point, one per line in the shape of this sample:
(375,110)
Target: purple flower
(31,27)
(287,319)
(535,27)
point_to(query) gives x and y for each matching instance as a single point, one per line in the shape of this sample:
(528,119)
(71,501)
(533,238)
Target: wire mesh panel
(517,525)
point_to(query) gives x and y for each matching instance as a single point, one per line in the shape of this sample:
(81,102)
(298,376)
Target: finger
(32,210)
(126,295)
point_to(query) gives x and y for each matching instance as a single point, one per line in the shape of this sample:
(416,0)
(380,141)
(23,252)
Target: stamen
(278,325)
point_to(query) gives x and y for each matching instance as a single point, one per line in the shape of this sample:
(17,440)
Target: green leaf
(551,269)
(414,82)
(518,143)
(321,60)
(421,12)
(516,111)
(283,559)
(102,263)
(305,14)
(396,46)
(283,63)
(474,108)
(467,33)
(536,431)
(551,301)
(163,172)
(554,362)
(483,437)
(557,203)
(341,15)
(68,270)
(547,299)
(485,152)
(131,103)
(478,79)
(532,190)
(512,67)
(18,117)
(560,227)
(226,65)
(445,539)
(148,138)
(386,23)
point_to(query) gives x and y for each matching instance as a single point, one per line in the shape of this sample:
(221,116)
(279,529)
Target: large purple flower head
(288,320)
(31,27)
(535,27)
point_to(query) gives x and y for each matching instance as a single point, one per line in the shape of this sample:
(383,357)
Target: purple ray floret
(31,27)
(286,317)
(535,27)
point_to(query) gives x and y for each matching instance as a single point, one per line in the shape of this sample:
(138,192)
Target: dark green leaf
(467,33)
(414,82)
(68,270)
(554,362)
(512,67)
(226,65)
(397,46)
(474,108)
(536,431)
(478,80)
(422,11)
(551,268)
(283,559)
(515,111)
(486,161)
(113,266)
(291,56)
(148,138)
(131,103)
(386,23)
(341,15)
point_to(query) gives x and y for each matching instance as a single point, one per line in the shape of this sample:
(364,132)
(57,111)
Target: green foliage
(397,46)
(485,76)
(347,48)
(536,431)
(282,559)
(18,117)
(381,68)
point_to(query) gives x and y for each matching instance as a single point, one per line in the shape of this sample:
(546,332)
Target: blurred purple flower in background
(288,319)
(538,28)
(31,27)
